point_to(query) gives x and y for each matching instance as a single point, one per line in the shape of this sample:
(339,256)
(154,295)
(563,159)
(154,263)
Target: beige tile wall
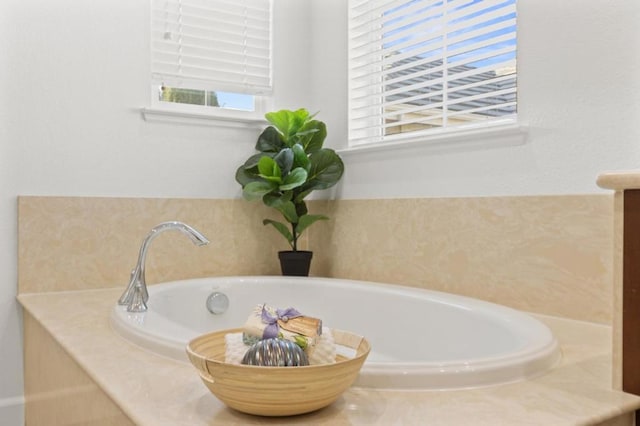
(550,254)
(68,243)
(58,391)
(547,254)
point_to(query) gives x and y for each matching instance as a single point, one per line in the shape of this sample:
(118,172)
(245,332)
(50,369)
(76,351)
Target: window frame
(207,115)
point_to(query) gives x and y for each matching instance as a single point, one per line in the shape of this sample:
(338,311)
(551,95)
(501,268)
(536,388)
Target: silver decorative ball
(275,353)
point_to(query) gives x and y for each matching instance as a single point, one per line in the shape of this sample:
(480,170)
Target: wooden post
(631,296)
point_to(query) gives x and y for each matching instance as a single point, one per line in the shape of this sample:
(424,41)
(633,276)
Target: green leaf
(279,119)
(284,159)
(281,227)
(253,160)
(314,139)
(265,165)
(283,204)
(269,141)
(288,123)
(282,196)
(296,178)
(307,220)
(269,170)
(325,170)
(301,195)
(255,190)
(300,158)
(244,176)
(301,208)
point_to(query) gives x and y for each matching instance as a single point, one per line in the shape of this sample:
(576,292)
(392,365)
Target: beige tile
(58,392)
(531,253)
(68,243)
(627,419)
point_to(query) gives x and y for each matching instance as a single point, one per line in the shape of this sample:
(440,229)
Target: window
(211,54)
(417,67)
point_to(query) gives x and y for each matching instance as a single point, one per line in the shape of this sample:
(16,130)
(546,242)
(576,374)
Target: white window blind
(420,65)
(220,45)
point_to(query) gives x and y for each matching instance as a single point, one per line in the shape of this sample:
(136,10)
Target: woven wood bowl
(276,391)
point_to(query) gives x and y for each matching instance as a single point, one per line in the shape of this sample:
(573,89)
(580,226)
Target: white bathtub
(420,339)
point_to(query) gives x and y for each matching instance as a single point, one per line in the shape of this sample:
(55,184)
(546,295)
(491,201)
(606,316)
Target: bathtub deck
(153,390)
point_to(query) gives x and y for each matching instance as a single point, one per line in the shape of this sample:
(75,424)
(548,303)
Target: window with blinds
(420,65)
(211,52)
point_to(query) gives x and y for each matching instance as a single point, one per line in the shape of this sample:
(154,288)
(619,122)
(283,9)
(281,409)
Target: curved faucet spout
(193,234)
(136,294)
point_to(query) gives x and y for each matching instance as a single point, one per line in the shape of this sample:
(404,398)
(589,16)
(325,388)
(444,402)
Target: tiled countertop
(153,390)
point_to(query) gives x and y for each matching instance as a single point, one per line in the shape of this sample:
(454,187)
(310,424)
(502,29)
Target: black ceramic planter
(295,263)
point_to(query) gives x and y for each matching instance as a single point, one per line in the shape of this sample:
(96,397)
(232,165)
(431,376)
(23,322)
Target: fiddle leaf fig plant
(290,164)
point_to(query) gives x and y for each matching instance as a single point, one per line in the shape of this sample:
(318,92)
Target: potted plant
(290,164)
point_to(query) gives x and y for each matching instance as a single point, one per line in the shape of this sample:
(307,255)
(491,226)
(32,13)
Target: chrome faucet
(135,297)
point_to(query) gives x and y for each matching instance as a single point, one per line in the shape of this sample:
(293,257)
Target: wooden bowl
(276,391)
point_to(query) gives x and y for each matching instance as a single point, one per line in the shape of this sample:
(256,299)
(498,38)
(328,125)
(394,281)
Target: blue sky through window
(434,22)
(236,101)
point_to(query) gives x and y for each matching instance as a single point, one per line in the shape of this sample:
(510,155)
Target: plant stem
(295,237)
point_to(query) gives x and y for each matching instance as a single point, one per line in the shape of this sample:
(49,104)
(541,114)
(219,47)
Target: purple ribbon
(272,329)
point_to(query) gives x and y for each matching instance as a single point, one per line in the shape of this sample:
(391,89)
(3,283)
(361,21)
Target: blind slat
(215,44)
(477,36)
(453,103)
(248,54)
(212,8)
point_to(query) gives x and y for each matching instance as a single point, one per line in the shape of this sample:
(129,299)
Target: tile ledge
(585,344)
(619,181)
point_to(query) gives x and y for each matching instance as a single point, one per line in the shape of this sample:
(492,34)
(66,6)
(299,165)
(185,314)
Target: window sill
(498,135)
(220,118)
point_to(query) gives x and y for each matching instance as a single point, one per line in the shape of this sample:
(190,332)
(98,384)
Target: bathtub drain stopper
(217,303)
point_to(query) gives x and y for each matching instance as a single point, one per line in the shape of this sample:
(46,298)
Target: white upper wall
(578,92)
(78,75)
(81,75)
